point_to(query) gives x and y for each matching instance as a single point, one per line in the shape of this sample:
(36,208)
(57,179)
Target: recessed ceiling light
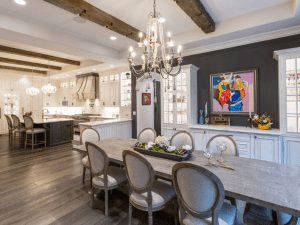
(20,2)
(94,69)
(113,38)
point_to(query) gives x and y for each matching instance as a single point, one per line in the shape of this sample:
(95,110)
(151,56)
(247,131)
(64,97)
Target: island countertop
(52,120)
(104,122)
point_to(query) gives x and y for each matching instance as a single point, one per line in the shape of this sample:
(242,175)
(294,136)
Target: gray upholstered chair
(147,135)
(33,132)
(10,128)
(286,219)
(146,193)
(223,139)
(182,138)
(200,195)
(104,177)
(91,135)
(19,130)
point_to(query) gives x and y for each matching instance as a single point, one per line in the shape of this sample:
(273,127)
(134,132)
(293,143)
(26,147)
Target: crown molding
(243,41)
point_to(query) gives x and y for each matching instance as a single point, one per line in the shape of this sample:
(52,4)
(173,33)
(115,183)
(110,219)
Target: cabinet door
(200,139)
(292,155)
(267,148)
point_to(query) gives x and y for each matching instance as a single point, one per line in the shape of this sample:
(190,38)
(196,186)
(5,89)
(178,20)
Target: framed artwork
(233,93)
(146,98)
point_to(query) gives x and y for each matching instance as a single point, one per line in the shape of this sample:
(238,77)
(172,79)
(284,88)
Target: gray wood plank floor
(44,187)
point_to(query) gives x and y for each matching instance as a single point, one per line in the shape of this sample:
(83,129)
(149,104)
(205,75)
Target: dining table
(268,184)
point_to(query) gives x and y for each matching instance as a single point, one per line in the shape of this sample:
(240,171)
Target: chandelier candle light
(158,56)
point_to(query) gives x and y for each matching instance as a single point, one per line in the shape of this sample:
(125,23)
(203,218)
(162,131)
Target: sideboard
(251,142)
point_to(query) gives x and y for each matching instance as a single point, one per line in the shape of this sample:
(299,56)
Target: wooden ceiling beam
(98,16)
(197,12)
(16,51)
(21,69)
(26,63)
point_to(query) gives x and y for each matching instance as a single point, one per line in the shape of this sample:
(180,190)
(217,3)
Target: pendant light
(49,88)
(32,91)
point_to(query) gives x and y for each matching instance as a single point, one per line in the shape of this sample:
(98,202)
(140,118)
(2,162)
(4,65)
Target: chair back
(9,122)
(147,135)
(97,158)
(16,121)
(28,122)
(139,171)
(90,135)
(200,193)
(223,139)
(182,138)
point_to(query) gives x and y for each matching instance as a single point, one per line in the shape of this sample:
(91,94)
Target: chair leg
(25,144)
(45,139)
(129,214)
(106,202)
(32,141)
(91,178)
(176,211)
(150,217)
(83,174)
(92,196)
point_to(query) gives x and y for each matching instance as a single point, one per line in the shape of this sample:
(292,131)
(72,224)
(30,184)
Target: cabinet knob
(255,136)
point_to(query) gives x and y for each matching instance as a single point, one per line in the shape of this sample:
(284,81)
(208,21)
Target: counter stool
(19,130)
(31,131)
(10,128)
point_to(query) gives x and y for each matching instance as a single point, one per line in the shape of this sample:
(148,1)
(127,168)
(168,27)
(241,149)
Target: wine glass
(221,148)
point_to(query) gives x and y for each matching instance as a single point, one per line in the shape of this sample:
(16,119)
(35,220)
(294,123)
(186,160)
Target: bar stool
(31,131)
(10,128)
(19,130)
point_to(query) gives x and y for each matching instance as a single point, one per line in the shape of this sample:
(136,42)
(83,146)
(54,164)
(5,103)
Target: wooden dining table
(263,183)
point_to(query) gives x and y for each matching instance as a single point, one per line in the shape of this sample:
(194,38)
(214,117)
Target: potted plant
(263,122)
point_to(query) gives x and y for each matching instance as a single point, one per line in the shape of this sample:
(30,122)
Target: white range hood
(87,86)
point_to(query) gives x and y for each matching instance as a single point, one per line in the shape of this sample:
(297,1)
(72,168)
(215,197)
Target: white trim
(243,41)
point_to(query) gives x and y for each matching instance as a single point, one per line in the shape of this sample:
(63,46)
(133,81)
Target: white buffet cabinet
(251,142)
(115,128)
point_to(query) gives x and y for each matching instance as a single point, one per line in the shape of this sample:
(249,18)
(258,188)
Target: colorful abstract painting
(233,93)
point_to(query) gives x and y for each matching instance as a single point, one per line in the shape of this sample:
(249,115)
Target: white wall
(145,113)
(16,84)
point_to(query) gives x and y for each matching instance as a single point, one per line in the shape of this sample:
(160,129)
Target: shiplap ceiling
(40,25)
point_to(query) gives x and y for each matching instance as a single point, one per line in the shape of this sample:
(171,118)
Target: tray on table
(164,155)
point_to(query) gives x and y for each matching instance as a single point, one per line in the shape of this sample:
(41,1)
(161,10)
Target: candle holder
(249,122)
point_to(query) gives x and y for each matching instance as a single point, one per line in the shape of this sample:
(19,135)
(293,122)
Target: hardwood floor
(44,187)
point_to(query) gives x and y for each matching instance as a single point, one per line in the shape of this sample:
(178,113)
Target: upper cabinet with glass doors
(179,101)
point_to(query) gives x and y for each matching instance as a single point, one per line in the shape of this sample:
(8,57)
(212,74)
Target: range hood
(87,86)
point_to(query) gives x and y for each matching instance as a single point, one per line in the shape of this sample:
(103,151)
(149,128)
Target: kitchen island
(110,128)
(59,130)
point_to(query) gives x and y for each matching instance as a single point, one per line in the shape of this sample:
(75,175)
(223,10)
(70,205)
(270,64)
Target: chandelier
(159,54)
(32,91)
(49,89)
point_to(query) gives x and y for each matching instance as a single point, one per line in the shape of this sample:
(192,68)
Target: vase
(201,118)
(264,126)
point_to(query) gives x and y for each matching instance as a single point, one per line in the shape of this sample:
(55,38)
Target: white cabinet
(251,143)
(292,151)
(110,90)
(266,147)
(289,102)
(179,101)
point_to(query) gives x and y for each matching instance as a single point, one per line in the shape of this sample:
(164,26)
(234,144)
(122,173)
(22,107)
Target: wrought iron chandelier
(159,54)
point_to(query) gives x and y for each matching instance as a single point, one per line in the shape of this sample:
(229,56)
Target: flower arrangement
(162,144)
(263,122)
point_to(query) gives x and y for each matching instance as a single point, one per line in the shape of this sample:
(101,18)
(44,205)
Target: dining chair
(104,177)
(147,135)
(231,147)
(145,193)
(10,128)
(286,219)
(200,195)
(182,138)
(30,130)
(19,130)
(91,135)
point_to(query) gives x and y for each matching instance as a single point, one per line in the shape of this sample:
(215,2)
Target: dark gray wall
(257,55)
